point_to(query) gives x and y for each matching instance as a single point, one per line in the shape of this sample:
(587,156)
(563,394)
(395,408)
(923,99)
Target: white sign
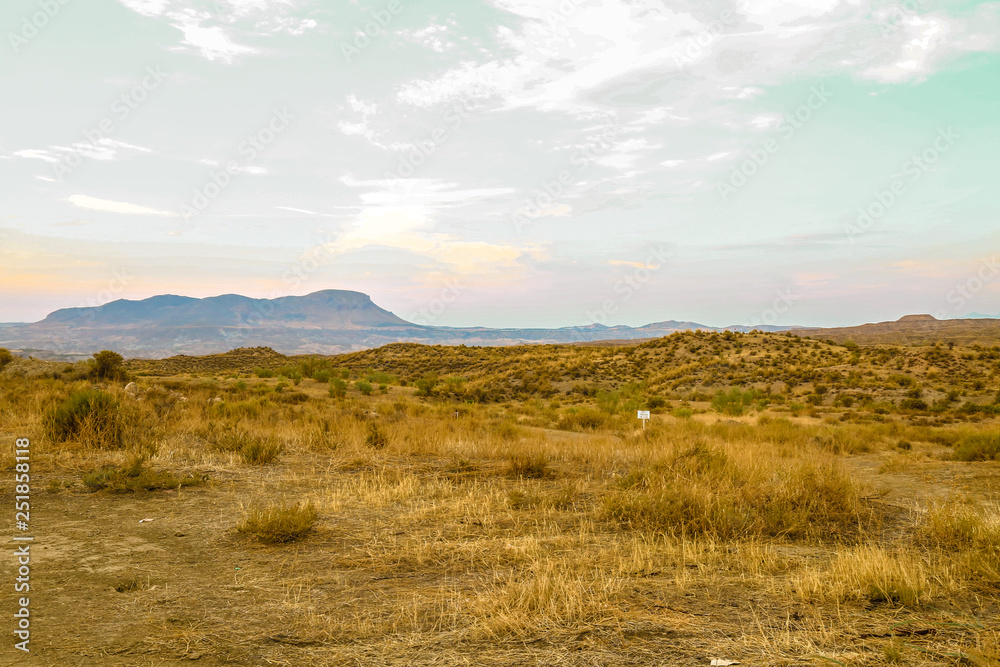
(643,414)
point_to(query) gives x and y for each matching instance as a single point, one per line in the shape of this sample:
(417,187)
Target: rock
(132,389)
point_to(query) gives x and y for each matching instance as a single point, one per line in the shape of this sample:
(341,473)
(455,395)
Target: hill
(913,330)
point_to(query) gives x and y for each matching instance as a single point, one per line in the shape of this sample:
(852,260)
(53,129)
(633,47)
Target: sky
(506,163)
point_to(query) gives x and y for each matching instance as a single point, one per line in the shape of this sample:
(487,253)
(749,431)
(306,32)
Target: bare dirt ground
(162,578)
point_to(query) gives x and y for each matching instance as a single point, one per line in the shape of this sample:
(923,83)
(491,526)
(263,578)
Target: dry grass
(278,524)
(542,530)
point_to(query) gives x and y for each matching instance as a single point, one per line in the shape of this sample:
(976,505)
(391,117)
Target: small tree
(425,385)
(109,365)
(338,388)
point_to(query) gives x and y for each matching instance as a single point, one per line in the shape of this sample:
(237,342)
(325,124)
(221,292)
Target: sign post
(643,415)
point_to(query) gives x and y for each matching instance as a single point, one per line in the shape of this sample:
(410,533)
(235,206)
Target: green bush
(338,388)
(109,366)
(979,447)
(263,373)
(93,415)
(735,401)
(378,377)
(5,357)
(364,387)
(425,385)
(322,376)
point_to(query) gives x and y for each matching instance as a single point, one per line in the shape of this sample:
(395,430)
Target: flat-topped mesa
(918,318)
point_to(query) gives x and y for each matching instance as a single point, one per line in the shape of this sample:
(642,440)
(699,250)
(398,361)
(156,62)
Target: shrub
(701,491)
(735,401)
(5,357)
(530,467)
(364,387)
(582,420)
(255,450)
(376,438)
(109,366)
(90,414)
(263,373)
(425,385)
(913,404)
(322,376)
(338,388)
(279,524)
(682,413)
(135,477)
(380,378)
(979,447)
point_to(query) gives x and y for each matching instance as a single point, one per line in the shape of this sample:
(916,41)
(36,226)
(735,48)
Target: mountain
(913,330)
(325,322)
(329,309)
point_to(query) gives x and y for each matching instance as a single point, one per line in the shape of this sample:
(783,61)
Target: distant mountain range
(337,321)
(914,330)
(326,322)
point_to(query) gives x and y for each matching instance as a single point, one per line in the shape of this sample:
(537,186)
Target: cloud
(410,229)
(102,149)
(209,33)
(95,204)
(401,214)
(212,43)
(33,154)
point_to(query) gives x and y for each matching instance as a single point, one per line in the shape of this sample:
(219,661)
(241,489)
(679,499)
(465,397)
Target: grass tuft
(279,524)
(134,477)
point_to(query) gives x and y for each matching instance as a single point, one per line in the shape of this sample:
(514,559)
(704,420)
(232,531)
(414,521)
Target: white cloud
(409,228)
(32,154)
(400,214)
(147,7)
(210,33)
(212,43)
(923,41)
(95,204)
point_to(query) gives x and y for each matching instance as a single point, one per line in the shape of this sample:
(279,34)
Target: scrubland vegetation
(791,502)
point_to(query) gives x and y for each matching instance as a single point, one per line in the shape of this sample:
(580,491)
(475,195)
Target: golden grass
(436,522)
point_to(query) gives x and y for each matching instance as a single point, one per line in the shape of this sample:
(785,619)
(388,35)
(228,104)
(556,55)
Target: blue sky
(504,162)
